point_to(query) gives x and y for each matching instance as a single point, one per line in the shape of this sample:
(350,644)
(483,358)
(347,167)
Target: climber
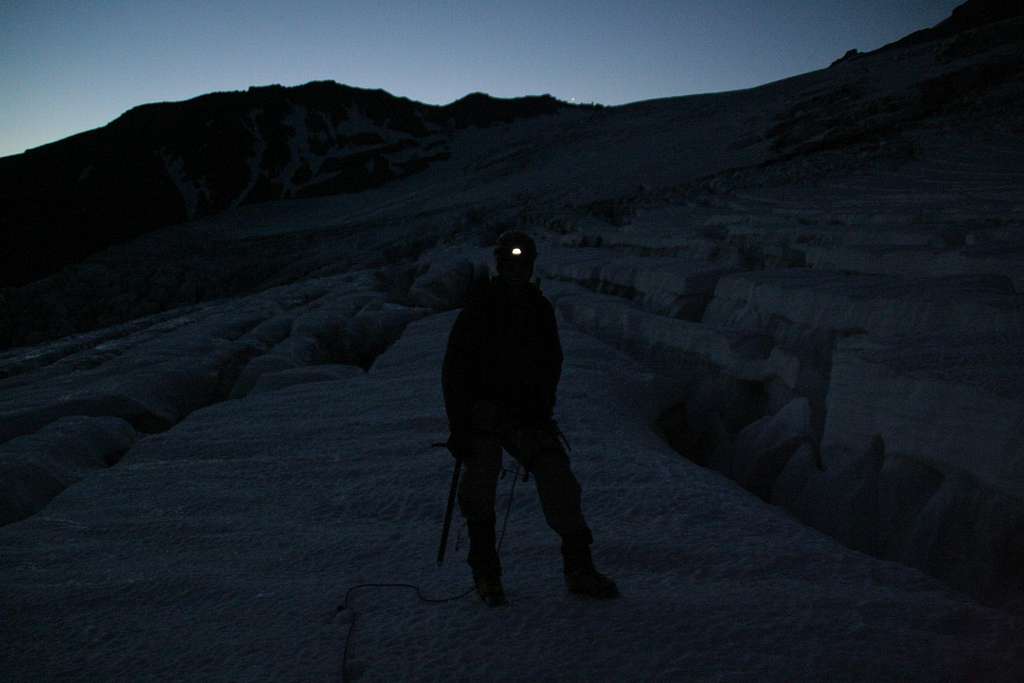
(500,375)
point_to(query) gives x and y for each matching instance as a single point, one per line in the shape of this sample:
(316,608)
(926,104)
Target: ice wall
(883,407)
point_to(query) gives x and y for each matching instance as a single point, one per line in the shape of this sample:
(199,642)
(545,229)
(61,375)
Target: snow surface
(238,469)
(221,548)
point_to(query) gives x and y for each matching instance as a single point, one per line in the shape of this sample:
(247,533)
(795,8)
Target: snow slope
(792,319)
(220,549)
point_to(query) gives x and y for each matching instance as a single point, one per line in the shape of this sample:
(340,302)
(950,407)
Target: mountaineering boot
(483,558)
(591,583)
(490,589)
(581,577)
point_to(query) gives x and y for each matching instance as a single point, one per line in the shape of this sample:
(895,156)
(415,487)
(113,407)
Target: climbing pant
(542,454)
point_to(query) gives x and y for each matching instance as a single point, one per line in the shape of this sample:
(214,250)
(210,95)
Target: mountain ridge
(346,146)
(164,163)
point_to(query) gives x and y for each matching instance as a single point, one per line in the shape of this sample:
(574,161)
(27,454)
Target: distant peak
(475,97)
(970,15)
(481,109)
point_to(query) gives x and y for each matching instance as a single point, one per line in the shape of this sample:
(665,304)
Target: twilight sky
(68,66)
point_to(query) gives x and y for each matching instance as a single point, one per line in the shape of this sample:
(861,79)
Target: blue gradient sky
(69,66)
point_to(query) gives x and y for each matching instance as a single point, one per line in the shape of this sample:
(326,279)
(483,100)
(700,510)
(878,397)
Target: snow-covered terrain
(221,549)
(792,390)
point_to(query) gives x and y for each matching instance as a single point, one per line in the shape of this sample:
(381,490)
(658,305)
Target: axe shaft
(448,512)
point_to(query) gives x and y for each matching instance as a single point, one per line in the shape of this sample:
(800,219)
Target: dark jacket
(505,351)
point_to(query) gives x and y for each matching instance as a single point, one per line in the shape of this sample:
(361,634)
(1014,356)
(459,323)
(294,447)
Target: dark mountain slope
(363,174)
(970,15)
(164,163)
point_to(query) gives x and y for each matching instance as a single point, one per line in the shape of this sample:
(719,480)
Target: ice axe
(451,500)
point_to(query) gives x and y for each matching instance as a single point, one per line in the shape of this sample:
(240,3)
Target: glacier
(792,320)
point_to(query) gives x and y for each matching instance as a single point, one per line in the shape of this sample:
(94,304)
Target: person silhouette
(500,376)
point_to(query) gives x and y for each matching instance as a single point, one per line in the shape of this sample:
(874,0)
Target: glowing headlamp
(516,250)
